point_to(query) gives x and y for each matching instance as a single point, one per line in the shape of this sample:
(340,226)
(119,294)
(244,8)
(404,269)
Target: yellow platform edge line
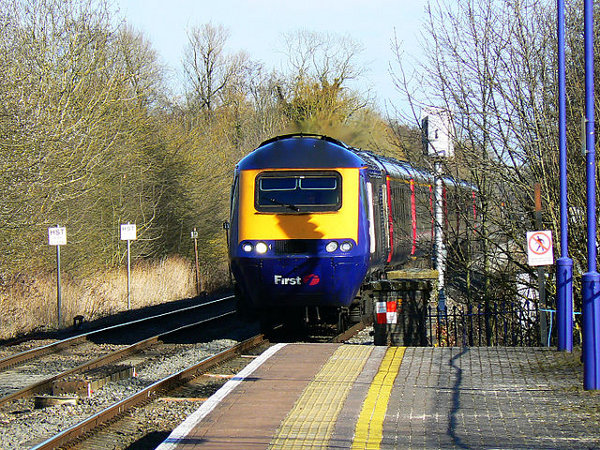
(311,421)
(369,427)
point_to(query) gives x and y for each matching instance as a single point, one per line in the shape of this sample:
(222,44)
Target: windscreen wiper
(287,205)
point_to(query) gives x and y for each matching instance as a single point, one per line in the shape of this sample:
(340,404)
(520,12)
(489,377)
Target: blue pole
(590,279)
(564,269)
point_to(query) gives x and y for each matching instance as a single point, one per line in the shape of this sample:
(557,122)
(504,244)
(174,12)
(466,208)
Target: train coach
(312,219)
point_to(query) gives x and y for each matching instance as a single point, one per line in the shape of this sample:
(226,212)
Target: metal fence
(509,325)
(417,322)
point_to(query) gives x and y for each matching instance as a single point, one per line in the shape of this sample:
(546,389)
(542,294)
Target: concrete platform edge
(180,433)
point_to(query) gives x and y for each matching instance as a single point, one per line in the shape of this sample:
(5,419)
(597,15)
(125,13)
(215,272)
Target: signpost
(540,253)
(539,248)
(194,235)
(57,236)
(438,132)
(128,233)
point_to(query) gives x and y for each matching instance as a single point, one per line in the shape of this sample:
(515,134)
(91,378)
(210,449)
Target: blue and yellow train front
(299,234)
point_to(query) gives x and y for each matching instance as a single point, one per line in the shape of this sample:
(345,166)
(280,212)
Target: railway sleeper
(86,384)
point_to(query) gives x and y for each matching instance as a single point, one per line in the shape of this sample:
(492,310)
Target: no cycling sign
(539,248)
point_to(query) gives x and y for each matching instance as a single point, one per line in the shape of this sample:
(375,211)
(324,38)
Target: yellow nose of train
(296,224)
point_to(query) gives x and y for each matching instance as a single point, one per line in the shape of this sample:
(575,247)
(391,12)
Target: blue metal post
(591,279)
(564,269)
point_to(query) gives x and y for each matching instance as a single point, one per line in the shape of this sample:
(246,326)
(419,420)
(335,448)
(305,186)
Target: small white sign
(539,248)
(57,236)
(128,232)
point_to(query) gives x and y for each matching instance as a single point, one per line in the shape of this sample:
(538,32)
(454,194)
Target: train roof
(394,167)
(292,151)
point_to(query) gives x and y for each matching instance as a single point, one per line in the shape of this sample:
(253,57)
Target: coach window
(293,192)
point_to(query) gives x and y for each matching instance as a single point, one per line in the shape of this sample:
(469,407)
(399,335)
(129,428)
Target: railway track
(146,418)
(33,371)
(107,363)
(152,323)
(177,388)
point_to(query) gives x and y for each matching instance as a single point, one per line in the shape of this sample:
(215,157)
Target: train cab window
(298,192)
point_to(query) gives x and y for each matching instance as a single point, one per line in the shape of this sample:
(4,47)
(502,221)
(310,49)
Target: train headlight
(331,247)
(247,247)
(346,246)
(261,248)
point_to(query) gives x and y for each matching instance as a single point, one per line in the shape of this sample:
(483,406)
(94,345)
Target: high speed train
(313,218)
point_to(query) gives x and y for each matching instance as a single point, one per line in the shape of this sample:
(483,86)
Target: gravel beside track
(22,426)
(363,337)
(39,369)
(10,350)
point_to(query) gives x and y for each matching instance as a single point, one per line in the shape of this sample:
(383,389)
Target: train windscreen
(293,192)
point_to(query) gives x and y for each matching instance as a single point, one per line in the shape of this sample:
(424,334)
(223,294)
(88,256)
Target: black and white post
(57,236)
(440,248)
(128,233)
(438,132)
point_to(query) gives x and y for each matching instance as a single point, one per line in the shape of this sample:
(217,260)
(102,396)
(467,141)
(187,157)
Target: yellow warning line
(311,421)
(369,428)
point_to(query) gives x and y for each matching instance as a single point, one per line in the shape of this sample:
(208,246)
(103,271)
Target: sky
(257,27)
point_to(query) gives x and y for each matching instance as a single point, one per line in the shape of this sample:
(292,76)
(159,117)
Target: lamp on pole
(591,279)
(564,265)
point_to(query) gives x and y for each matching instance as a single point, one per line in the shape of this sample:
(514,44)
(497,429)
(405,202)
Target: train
(312,219)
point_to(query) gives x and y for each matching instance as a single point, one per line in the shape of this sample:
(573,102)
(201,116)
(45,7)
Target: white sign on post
(128,232)
(539,248)
(57,236)
(438,132)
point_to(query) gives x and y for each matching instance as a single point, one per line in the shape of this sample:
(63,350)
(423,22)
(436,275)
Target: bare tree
(320,68)
(322,56)
(210,71)
(75,129)
(493,64)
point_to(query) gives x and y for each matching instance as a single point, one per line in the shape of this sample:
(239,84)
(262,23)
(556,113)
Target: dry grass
(29,303)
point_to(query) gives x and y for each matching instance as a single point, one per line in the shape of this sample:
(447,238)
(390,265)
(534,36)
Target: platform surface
(351,396)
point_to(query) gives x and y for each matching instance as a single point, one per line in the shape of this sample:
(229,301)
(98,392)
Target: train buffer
(361,396)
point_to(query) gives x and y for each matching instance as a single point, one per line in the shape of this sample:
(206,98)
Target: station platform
(334,396)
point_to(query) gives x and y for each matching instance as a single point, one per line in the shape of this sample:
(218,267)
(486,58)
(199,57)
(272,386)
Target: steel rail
(148,394)
(56,347)
(45,384)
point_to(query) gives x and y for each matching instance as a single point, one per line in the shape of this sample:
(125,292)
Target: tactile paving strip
(369,428)
(311,421)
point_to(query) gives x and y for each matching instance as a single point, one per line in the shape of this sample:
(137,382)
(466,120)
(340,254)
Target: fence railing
(415,321)
(505,325)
